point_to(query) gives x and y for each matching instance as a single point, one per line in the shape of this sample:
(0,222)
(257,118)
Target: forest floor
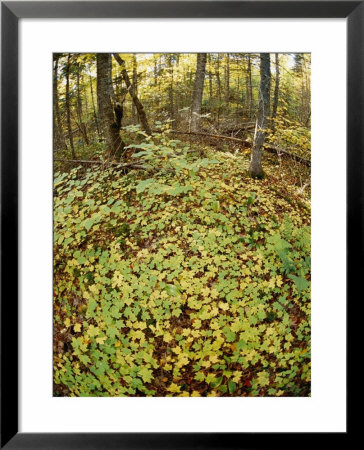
(192,279)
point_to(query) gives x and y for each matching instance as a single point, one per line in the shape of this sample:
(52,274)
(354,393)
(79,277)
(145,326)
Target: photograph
(181,224)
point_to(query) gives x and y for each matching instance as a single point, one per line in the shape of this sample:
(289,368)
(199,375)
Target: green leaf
(301,283)
(231,386)
(199,376)
(143,185)
(172,290)
(230,336)
(145,374)
(217,382)
(85,359)
(278,242)
(216,206)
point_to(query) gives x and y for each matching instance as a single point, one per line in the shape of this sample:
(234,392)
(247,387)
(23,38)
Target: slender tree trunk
(110,82)
(308,94)
(155,70)
(135,84)
(210,82)
(84,93)
(79,107)
(68,108)
(94,108)
(218,88)
(134,96)
(276,90)
(111,133)
(255,168)
(170,91)
(56,143)
(249,89)
(198,92)
(58,138)
(227,79)
(247,97)
(237,103)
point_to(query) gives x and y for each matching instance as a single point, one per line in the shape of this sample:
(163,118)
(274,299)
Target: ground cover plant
(193,282)
(178,272)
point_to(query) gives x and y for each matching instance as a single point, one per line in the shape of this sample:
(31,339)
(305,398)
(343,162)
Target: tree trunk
(307,93)
(170,90)
(138,105)
(111,133)
(276,90)
(218,88)
(210,83)
(79,107)
(58,138)
(255,168)
(68,108)
(198,92)
(249,90)
(135,84)
(155,70)
(227,79)
(237,103)
(94,108)
(110,82)
(84,94)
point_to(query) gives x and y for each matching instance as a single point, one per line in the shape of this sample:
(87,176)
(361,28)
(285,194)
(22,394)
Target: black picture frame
(11,12)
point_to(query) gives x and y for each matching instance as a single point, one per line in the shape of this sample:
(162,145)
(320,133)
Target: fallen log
(242,127)
(278,151)
(194,133)
(269,148)
(113,163)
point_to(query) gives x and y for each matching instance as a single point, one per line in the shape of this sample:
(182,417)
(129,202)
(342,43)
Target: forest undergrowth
(185,278)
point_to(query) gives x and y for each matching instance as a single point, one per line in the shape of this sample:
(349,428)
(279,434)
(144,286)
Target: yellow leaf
(214,359)
(77,327)
(137,335)
(67,322)
(167,337)
(196,323)
(235,326)
(214,325)
(237,376)
(174,388)
(205,291)
(140,325)
(212,394)
(101,340)
(196,333)
(224,306)
(214,293)
(182,361)
(93,331)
